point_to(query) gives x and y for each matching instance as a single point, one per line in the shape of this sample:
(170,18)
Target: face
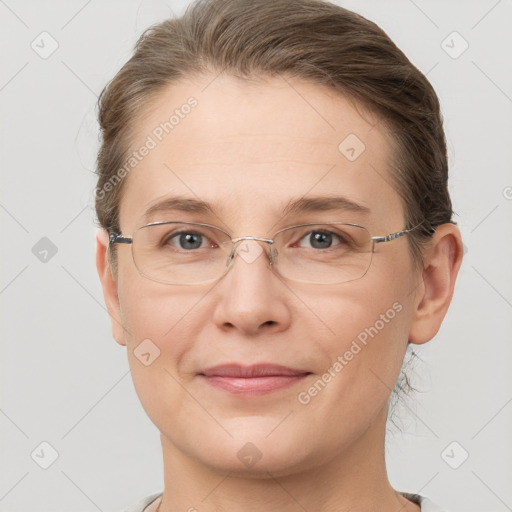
(249,150)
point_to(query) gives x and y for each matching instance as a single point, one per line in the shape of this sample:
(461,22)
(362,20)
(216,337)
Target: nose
(250,297)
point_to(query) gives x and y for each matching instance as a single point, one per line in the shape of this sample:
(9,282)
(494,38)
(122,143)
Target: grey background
(65,381)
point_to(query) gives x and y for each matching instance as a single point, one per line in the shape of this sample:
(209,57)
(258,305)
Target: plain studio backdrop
(74,436)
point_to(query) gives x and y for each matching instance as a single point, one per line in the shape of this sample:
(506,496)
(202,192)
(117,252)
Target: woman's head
(253,116)
(314,41)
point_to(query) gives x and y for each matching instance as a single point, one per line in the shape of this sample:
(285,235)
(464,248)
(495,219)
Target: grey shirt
(426,504)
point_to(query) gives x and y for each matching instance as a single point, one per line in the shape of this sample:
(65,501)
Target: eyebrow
(294,206)
(323,204)
(182,204)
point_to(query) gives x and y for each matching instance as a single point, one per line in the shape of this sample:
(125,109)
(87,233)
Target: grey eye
(187,240)
(321,239)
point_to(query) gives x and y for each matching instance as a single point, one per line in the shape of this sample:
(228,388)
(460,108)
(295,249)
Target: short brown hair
(312,40)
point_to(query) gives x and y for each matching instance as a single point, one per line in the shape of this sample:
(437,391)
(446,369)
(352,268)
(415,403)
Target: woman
(276,230)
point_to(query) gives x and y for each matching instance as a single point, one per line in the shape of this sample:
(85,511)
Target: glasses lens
(323,253)
(181,252)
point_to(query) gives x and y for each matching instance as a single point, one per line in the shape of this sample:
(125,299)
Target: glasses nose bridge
(268,241)
(258,239)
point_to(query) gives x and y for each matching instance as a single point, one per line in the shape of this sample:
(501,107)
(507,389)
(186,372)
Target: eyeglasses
(187,253)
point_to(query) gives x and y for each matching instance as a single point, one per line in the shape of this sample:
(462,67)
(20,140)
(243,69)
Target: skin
(248,148)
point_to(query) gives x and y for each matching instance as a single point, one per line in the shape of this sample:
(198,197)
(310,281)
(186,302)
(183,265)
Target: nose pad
(272,255)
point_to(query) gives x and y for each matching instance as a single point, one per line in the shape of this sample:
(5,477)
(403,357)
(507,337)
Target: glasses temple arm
(116,238)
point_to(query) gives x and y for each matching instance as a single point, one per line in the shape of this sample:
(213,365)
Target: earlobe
(442,260)
(109,286)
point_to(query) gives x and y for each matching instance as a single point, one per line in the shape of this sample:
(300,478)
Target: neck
(353,480)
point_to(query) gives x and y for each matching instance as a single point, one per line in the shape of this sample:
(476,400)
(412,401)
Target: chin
(255,450)
(251,461)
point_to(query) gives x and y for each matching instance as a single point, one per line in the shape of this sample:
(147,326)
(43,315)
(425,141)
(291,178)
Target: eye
(322,239)
(188,240)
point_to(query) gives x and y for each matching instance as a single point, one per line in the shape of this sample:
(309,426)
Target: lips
(256,370)
(252,380)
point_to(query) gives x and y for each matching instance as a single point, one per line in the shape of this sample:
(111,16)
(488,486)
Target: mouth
(259,379)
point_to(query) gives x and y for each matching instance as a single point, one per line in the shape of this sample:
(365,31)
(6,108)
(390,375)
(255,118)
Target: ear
(442,260)
(109,286)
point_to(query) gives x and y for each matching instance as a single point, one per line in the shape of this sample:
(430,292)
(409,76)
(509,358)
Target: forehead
(250,147)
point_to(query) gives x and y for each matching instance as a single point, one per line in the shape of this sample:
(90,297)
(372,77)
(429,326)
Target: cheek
(366,332)
(162,321)
(152,310)
(362,310)
(161,324)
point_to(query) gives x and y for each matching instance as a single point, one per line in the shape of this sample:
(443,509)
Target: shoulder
(141,505)
(426,504)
